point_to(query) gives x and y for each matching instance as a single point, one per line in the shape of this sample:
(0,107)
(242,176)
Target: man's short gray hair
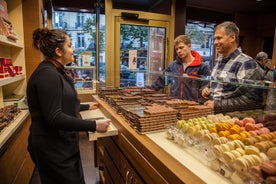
(261,55)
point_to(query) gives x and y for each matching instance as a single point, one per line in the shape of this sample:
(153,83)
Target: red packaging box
(11,70)
(18,69)
(4,75)
(4,72)
(5,61)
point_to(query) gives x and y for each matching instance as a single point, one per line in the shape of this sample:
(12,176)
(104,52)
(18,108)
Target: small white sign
(140,79)
(86,60)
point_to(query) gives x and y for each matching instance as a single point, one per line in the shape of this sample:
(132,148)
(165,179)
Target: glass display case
(232,141)
(247,94)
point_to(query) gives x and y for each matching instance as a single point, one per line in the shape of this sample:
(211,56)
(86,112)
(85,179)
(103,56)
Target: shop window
(80,20)
(142,49)
(81,27)
(58,19)
(81,40)
(202,34)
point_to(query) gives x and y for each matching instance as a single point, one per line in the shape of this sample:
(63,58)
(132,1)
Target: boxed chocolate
(6,64)
(3,9)
(4,72)
(18,69)
(5,61)
(11,70)
(7,29)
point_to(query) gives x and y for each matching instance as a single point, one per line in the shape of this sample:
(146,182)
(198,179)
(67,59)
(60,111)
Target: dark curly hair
(47,40)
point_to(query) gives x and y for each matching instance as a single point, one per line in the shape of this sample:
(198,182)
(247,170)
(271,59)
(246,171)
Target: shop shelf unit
(13,49)
(16,165)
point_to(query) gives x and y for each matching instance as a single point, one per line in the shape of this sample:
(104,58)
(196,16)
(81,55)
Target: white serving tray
(95,114)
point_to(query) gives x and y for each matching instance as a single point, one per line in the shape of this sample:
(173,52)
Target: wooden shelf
(9,80)
(8,42)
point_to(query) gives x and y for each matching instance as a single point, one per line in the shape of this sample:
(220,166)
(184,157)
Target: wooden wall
(32,18)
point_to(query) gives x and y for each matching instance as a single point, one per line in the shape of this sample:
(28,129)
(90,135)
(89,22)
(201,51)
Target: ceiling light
(84,10)
(63,9)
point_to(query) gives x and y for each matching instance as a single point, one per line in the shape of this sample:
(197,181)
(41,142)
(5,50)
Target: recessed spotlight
(63,9)
(84,10)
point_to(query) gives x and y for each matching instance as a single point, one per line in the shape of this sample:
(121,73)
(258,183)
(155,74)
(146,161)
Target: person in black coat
(54,107)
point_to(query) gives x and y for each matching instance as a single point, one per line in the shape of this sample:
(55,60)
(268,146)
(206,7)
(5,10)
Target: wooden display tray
(97,114)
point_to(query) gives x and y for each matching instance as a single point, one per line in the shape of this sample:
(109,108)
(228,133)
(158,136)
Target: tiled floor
(87,155)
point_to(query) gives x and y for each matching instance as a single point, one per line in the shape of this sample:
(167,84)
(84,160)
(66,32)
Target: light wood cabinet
(116,167)
(16,165)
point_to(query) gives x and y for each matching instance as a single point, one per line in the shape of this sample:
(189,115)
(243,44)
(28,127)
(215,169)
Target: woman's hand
(93,105)
(102,125)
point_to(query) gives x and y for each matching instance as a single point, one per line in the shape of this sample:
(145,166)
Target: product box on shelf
(7,29)
(5,61)
(11,70)
(3,9)
(7,66)
(4,72)
(18,69)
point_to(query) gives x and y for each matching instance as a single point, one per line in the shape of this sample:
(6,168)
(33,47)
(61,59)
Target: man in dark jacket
(187,64)
(235,67)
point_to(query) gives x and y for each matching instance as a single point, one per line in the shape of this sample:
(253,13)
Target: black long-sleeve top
(54,107)
(53,102)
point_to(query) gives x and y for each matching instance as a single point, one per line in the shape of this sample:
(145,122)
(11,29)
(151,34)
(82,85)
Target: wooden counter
(134,158)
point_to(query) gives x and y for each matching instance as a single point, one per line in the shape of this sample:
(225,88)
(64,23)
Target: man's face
(223,42)
(182,49)
(264,61)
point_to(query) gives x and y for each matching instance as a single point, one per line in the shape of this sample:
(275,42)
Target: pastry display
(271,152)
(229,146)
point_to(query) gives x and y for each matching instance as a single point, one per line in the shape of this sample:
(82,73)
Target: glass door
(142,52)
